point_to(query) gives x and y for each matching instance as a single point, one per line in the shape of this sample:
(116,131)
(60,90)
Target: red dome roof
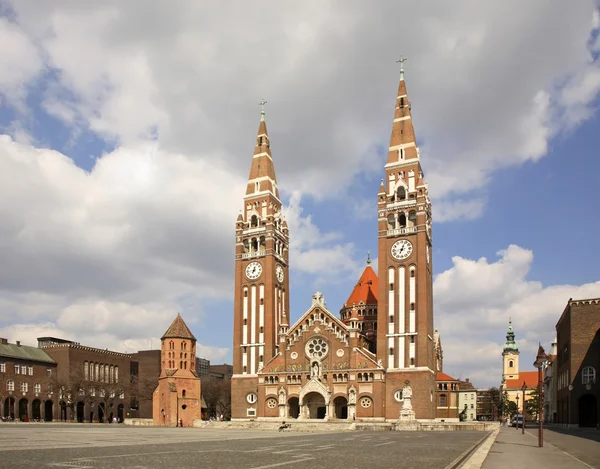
(365,290)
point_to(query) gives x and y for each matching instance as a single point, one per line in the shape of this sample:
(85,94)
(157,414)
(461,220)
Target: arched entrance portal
(588,411)
(120,410)
(36,411)
(48,409)
(80,411)
(294,405)
(315,404)
(341,407)
(9,408)
(101,412)
(23,410)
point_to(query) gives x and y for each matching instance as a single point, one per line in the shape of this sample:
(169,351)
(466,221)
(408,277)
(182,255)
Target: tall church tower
(405,301)
(261,295)
(510,355)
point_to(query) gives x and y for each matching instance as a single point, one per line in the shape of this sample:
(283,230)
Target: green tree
(511,409)
(532,404)
(504,405)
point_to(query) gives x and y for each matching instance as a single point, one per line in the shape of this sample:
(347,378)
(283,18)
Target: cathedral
(380,354)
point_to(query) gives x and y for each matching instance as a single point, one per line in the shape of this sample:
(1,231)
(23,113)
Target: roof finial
(401,62)
(262,109)
(368,257)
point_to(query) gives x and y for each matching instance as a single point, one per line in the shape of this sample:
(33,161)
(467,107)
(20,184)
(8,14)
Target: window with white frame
(48,372)
(121,395)
(37,388)
(10,385)
(30,370)
(2,367)
(24,386)
(17,369)
(588,375)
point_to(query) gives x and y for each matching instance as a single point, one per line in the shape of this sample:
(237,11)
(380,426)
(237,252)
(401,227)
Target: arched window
(86,371)
(101,372)
(111,374)
(402,220)
(96,372)
(254,219)
(588,375)
(511,364)
(106,373)
(443,400)
(10,385)
(412,218)
(401,193)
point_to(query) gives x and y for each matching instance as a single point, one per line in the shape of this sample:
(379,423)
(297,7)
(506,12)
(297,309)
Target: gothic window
(443,400)
(391,219)
(402,220)
(86,371)
(588,375)
(412,218)
(317,348)
(401,192)
(254,218)
(366,402)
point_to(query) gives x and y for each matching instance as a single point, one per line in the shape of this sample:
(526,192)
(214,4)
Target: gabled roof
(444,377)
(179,330)
(24,352)
(529,377)
(365,291)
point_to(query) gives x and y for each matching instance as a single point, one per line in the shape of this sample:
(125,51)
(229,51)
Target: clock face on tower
(402,249)
(279,273)
(253,270)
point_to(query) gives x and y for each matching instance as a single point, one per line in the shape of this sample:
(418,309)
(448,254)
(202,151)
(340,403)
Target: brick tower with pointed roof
(261,292)
(177,398)
(360,310)
(405,301)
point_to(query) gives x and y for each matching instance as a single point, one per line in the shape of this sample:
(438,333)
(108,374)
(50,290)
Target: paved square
(76,446)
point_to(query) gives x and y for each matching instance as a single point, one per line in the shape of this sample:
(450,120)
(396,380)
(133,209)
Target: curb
(473,457)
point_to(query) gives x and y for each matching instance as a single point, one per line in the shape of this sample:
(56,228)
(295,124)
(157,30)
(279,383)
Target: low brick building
(25,375)
(447,397)
(578,361)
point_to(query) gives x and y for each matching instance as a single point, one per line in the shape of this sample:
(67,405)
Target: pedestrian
(181,423)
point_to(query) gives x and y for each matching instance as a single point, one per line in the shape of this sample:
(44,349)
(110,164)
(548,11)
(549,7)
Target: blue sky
(127,133)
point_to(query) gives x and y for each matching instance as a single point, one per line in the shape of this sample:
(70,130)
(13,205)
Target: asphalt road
(75,446)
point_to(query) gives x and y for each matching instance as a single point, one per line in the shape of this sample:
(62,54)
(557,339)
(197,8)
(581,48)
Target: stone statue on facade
(406,413)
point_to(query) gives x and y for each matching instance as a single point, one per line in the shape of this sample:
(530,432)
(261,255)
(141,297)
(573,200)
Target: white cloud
(20,63)
(474,300)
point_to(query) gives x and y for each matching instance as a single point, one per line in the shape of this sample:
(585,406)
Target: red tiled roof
(530,378)
(178,329)
(444,377)
(366,289)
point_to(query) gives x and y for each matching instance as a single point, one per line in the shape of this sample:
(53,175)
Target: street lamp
(539,363)
(523,388)
(517,417)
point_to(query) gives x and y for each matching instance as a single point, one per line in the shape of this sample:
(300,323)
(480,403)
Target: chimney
(18,343)
(3,340)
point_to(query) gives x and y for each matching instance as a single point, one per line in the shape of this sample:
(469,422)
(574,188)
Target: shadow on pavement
(588,433)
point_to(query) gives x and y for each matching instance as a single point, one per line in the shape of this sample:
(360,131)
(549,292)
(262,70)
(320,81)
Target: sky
(127,131)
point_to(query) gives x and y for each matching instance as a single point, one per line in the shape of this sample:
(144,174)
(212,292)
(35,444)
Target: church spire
(262,178)
(403,144)
(510,344)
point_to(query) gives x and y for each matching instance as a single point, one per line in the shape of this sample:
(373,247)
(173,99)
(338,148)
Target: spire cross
(401,62)
(262,109)
(368,257)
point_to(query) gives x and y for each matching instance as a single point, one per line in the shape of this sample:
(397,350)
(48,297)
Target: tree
(532,404)
(511,409)
(217,395)
(505,409)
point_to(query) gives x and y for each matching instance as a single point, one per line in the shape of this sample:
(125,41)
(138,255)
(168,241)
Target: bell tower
(405,343)
(261,295)
(510,355)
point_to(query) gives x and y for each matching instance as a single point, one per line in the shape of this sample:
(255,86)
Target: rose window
(317,348)
(272,403)
(365,402)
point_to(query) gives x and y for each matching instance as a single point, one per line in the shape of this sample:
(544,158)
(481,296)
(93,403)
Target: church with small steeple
(375,360)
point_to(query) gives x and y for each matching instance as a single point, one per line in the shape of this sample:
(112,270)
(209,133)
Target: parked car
(517,421)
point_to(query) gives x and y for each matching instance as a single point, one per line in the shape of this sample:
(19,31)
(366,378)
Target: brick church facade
(357,364)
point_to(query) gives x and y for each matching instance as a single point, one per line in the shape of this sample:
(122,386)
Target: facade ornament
(401,61)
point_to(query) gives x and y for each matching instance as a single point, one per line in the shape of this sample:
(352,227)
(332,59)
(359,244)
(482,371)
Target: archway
(341,407)
(63,411)
(9,408)
(80,411)
(120,413)
(36,411)
(23,416)
(101,412)
(588,411)
(315,403)
(48,410)
(294,404)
